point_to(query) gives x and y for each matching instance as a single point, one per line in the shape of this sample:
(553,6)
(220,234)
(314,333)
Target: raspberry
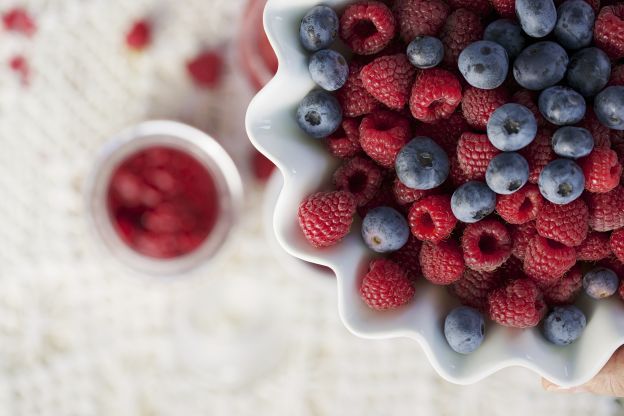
(359,176)
(617,75)
(478,105)
(461,29)
(20,21)
(599,131)
(420,17)
(474,287)
(605,210)
(521,206)
(457,175)
(139,36)
(511,269)
(539,153)
(565,290)
(521,235)
(609,31)
(529,100)
(382,135)
(408,257)
(547,260)
(367,27)
(614,264)
(616,242)
(431,218)
(486,245)
(326,217)
(345,142)
(474,153)
(404,195)
(519,304)
(388,79)
(567,224)
(481,7)
(205,69)
(386,286)
(594,248)
(435,95)
(383,198)
(442,263)
(445,132)
(602,170)
(353,97)
(505,8)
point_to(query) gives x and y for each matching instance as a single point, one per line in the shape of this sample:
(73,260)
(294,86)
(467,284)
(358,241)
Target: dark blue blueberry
(575,24)
(572,142)
(561,181)
(561,105)
(540,65)
(507,34)
(319,114)
(422,164)
(484,64)
(329,69)
(609,107)
(507,173)
(589,70)
(511,127)
(600,283)
(384,229)
(464,329)
(319,28)
(564,325)
(537,17)
(425,52)
(472,202)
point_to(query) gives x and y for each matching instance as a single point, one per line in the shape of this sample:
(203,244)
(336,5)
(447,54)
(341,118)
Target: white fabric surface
(81,335)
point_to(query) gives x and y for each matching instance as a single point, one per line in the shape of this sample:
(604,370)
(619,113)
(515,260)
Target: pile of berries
(481,144)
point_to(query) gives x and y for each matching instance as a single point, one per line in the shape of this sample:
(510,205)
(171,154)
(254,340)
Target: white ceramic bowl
(307,167)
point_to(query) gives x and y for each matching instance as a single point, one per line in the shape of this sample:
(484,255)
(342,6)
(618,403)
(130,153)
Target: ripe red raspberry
(361,177)
(521,206)
(474,287)
(605,210)
(567,224)
(140,35)
(420,17)
(353,97)
(617,75)
(602,170)
(521,236)
(205,69)
(519,304)
(505,8)
(565,290)
(529,100)
(345,142)
(382,135)
(408,257)
(486,245)
(456,174)
(431,218)
(383,198)
(461,29)
(386,286)
(474,153)
(367,27)
(446,132)
(614,264)
(482,7)
(600,132)
(609,31)
(478,105)
(388,79)
(404,195)
(326,217)
(616,242)
(539,153)
(435,95)
(594,248)
(510,270)
(442,263)
(547,260)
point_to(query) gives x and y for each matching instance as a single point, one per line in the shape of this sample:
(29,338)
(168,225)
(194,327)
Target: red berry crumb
(353,97)
(547,260)
(521,206)
(442,263)
(361,177)
(474,153)
(345,142)
(140,35)
(462,27)
(474,287)
(594,248)
(519,304)
(20,21)
(435,95)
(420,17)
(521,235)
(616,242)
(602,170)
(367,27)
(408,257)
(382,135)
(605,210)
(431,218)
(568,224)
(565,290)
(478,105)
(388,79)
(205,69)
(326,217)
(386,286)
(609,30)
(486,245)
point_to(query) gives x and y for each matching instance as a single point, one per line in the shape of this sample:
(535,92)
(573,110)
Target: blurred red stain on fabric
(20,66)
(205,69)
(20,21)
(140,35)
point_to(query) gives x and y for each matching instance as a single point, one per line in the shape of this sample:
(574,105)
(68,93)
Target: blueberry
(425,52)
(329,69)
(564,325)
(319,114)
(540,65)
(589,71)
(537,17)
(319,28)
(384,229)
(561,105)
(464,329)
(511,127)
(572,142)
(484,64)
(422,164)
(575,24)
(609,107)
(472,202)
(507,34)
(561,181)
(507,173)
(600,282)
